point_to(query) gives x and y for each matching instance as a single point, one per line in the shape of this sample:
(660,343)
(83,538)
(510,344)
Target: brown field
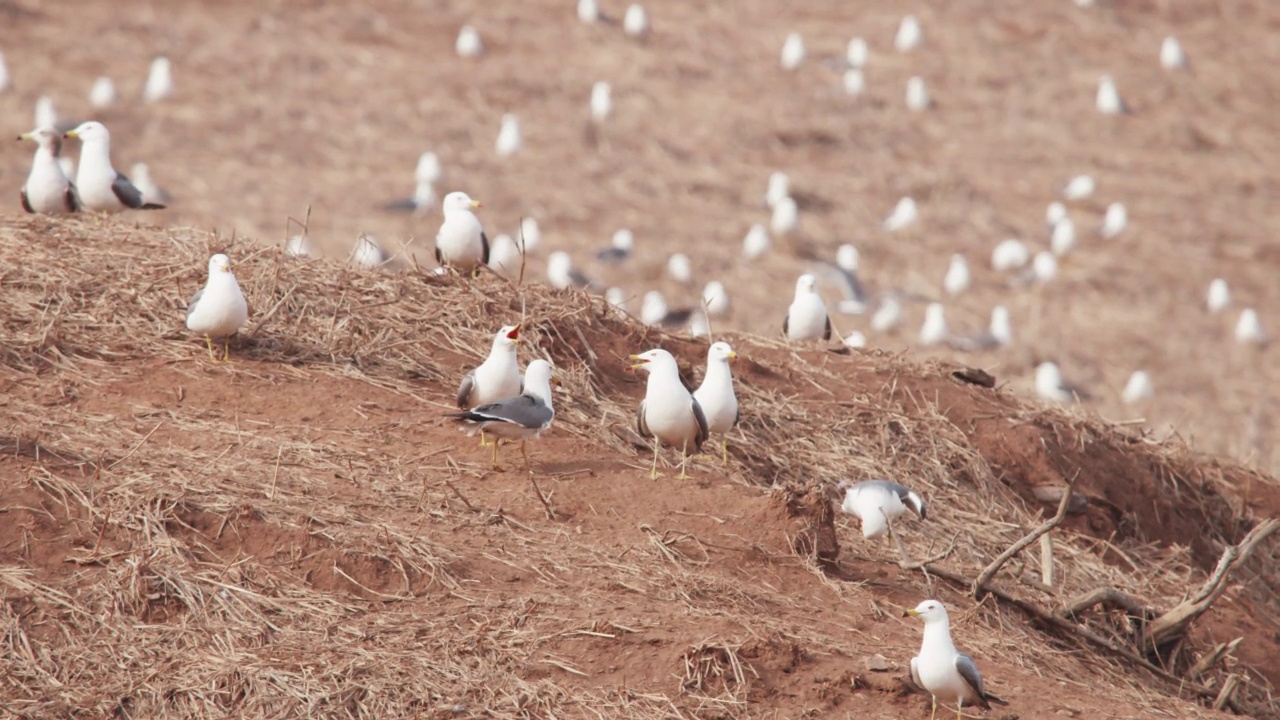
(299,534)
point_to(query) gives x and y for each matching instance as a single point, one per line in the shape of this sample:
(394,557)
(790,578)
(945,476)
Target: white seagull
(679,268)
(1108,100)
(957,278)
(1063,238)
(1114,220)
(1051,386)
(368,254)
(904,213)
(461,242)
(877,503)
(1079,187)
(792,52)
(159,81)
(1009,255)
(807,317)
(1171,55)
(47,189)
(218,310)
(601,101)
(908,36)
(715,298)
(635,23)
(934,330)
(669,413)
(1219,295)
(561,273)
(846,272)
(100,186)
(620,247)
(4,74)
(856,53)
(530,235)
(46,114)
(504,256)
(103,92)
(508,142)
(917,94)
(428,170)
(1055,213)
(1249,328)
(853,82)
(942,671)
(716,396)
(756,242)
(779,188)
(151,192)
(468,44)
(520,417)
(786,216)
(888,315)
(1137,388)
(588,11)
(497,377)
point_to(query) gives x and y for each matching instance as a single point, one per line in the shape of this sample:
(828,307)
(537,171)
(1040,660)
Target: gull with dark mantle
(942,671)
(877,503)
(100,185)
(522,417)
(668,413)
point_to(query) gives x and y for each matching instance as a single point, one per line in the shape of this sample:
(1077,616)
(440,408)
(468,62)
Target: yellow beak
(733,354)
(476,204)
(71,134)
(640,364)
(909,613)
(24,136)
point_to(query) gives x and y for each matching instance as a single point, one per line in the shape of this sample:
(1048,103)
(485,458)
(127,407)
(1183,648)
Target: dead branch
(980,585)
(1106,596)
(1174,623)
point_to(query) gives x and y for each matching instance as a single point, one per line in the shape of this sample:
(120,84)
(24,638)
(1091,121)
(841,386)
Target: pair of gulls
(98,185)
(495,400)
(940,669)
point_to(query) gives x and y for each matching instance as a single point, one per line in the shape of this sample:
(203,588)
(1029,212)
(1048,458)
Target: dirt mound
(298,532)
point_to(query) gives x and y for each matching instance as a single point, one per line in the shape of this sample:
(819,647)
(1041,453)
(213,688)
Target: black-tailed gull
(520,417)
(807,317)
(100,185)
(1051,386)
(218,310)
(1108,99)
(159,80)
(934,330)
(669,413)
(944,672)
(877,503)
(103,92)
(47,189)
(497,377)
(957,279)
(461,242)
(716,396)
(620,247)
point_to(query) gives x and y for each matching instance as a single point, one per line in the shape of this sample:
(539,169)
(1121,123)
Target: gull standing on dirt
(846,274)
(942,671)
(999,334)
(807,317)
(715,298)
(904,213)
(218,310)
(368,254)
(522,416)
(497,377)
(461,242)
(856,53)
(1009,254)
(4,74)
(855,340)
(1114,220)
(47,189)
(1051,386)
(917,94)
(508,142)
(716,396)
(957,278)
(1079,187)
(908,37)
(1137,388)
(620,246)
(1219,295)
(853,82)
(1171,55)
(1054,214)
(159,81)
(103,92)
(151,192)
(635,23)
(786,216)
(1063,237)
(601,101)
(756,242)
(1249,328)
(668,413)
(934,330)
(100,186)
(792,52)
(779,188)
(680,268)
(468,44)
(504,257)
(888,315)
(561,273)
(588,11)
(1108,100)
(877,503)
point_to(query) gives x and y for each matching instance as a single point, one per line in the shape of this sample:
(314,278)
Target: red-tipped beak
(514,334)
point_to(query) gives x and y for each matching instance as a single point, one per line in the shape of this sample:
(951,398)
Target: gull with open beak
(668,413)
(521,417)
(497,377)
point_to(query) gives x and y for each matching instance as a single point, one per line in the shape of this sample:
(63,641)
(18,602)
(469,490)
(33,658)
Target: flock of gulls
(502,404)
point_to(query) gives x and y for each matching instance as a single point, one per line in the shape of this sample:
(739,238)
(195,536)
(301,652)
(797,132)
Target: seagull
(855,340)
(1137,388)
(1249,328)
(424,198)
(504,256)
(1009,255)
(619,247)
(497,377)
(530,235)
(934,330)
(779,189)
(218,309)
(654,311)
(298,246)
(904,213)
(715,395)
(635,23)
(461,242)
(1108,100)
(908,37)
(807,317)
(699,325)
(1044,267)
(917,94)
(853,82)
(47,189)
(999,334)
(792,52)
(679,268)
(1171,55)
(428,169)
(846,273)
(715,298)
(616,297)
(856,53)
(561,273)
(940,669)
(1054,214)
(601,101)
(1063,237)
(1114,221)
(159,81)
(100,186)
(142,180)
(957,278)
(588,11)
(786,216)
(520,417)
(877,503)
(756,242)
(888,315)
(1219,295)
(668,413)
(1079,187)
(46,113)
(4,74)
(368,254)
(508,142)
(1051,386)
(468,44)
(103,92)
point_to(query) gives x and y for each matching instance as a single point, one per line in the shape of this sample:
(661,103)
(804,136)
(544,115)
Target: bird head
(89,132)
(646,360)
(721,351)
(929,611)
(458,200)
(219,264)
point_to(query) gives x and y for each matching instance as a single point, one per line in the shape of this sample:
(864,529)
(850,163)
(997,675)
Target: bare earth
(299,534)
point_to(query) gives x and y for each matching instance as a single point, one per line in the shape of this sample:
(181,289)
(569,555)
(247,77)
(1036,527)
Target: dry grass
(183,561)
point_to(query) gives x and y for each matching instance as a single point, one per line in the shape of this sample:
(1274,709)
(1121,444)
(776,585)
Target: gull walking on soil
(944,672)
(218,310)
(521,417)
(716,396)
(668,413)
(47,189)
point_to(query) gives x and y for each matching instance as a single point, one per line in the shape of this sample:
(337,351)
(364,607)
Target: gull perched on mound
(504,256)
(716,396)
(498,376)
(877,503)
(1051,386)
(461,242)
(100,186)
(368,254)
(942,671)
(298,246)
(807,317)
(218,310)
(159,80)
(669,413)
(47,189)
(520,417)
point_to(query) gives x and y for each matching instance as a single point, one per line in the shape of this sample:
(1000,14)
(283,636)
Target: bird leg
(934,714)
(483,441)
(494,457)
(524,454)
(724,452)
(226,349)
(213,355)
(653,471)
(684,461)
(902,550)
